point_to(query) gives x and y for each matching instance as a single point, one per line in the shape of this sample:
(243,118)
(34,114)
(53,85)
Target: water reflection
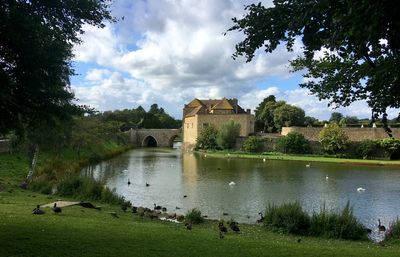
(205,180)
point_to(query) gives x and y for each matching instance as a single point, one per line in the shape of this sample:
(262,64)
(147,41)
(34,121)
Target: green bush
(333,139)
(253,144)
(194,216)
(294,142)
(287,218)
(42,186)
(207,140)
(69,186)
(393,232)
(366,149)
(110,196)
(337,225)
(227,134)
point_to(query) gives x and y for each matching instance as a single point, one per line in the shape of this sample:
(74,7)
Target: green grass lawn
(306,158)
(87,232)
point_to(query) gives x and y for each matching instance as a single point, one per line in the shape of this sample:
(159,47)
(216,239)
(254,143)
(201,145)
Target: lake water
(171,174)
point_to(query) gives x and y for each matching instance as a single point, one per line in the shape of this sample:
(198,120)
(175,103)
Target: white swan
(326,177)
(360,189)
(308,165)
(232,183)
(264,160)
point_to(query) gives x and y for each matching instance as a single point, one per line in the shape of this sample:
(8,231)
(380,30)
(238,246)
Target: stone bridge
(154,137)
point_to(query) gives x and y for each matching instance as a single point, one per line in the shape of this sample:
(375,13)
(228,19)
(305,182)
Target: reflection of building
(202,113)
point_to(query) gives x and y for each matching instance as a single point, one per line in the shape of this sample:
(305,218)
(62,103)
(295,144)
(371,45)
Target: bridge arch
(150,141)
(172,139)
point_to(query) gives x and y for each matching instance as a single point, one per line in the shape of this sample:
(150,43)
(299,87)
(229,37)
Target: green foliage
(366,149)
(253,144)
(36,48)
(335,117)
(288,115)
(358,40)
(393,232)
(310,121)
(42,186)
(287,218)
(337,225)
(194,216)
(391,146)
(207,140)
(333,139)
(227,134)
(265,114)
(89,189)
(294,142)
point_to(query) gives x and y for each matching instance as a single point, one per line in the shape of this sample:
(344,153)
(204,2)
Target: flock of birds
(39,211)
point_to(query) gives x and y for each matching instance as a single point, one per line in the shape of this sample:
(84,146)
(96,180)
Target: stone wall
(354,134)
(4,146)
(163,137)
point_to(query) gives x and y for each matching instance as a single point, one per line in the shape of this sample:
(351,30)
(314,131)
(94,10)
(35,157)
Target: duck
(360,189)
(222,228)
(232,183)
(129,182)
(56,209)
(157,207)
(177,208)
(37,210)
(147,184)
(234,226)
(164,209)
(225,213)
(188,226)
(261,218)
(184,196)
(381,227)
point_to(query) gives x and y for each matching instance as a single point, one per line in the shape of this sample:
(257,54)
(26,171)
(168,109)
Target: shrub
(287,218)
(337,225)
(194,216)
(294,142)
(393,232)
(391,147)
(227,134)
(333,139)
(366,149)
(207,140)
(252,144)
(42,186)
(69,186)
(110,196)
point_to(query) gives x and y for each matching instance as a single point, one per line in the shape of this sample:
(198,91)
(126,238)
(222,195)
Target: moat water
(172,174)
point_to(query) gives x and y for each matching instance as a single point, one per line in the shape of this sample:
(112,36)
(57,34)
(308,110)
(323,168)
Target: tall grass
(341,225)
(194,216)
(393,233)
(291,218)
(287,218)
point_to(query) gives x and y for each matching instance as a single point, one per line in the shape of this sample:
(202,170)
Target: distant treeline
(155,118)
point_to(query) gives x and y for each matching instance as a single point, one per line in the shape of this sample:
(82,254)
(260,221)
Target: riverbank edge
(285,157)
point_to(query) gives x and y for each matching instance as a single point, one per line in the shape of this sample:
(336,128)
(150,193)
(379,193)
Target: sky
(172,51)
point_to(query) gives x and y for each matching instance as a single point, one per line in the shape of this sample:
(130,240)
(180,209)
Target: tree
(359,40)
(288,115)
(36,40)
(253,144)
(261,117)
(207,140)
(310,121)
(333,138)
(294,142)
(335,117)
(227,134)
(266,117)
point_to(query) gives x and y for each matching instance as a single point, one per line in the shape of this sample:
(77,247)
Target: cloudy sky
(171,51)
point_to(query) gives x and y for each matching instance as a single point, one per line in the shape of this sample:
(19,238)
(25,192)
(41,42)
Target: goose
(56,209)
(37,210)
(178,208)
(184,196)
(234,226)
(225,213)
(360,189)
(129,182)
(157,207)
(381,227)
(188,226)
(232,183)
(222,228)
(147,184)
(261,218)
(164,209)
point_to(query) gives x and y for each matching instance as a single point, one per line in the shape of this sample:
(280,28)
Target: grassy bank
(305,158)
(87,232)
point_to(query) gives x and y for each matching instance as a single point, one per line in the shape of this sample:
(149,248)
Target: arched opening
(149,141)
(395,155)
(175,141)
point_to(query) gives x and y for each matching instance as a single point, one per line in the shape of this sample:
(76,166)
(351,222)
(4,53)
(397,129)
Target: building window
(205,125)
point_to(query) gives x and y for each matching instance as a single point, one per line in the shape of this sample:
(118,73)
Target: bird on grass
(188,226)
(56,209)
(381,227)
(37,210)
(234,226)
(222,228)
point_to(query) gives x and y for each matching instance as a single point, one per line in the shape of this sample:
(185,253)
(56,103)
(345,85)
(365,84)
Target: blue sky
(169,52)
